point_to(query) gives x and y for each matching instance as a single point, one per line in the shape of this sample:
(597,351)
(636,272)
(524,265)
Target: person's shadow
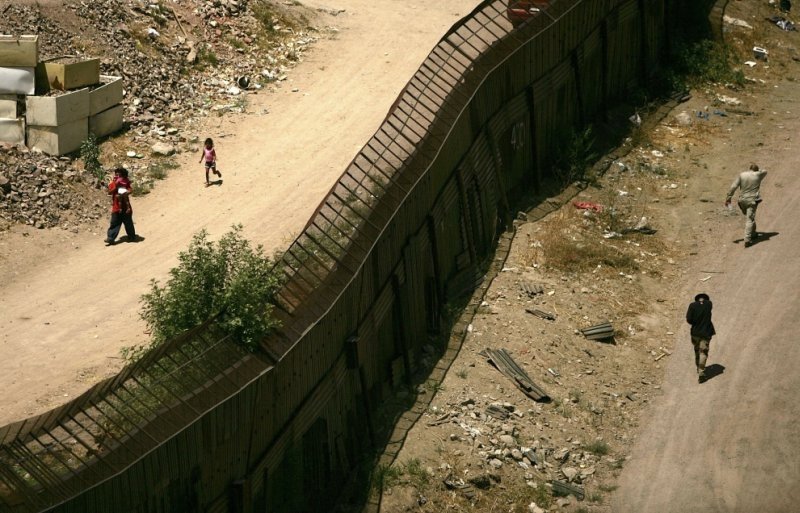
(216,182)
(125,238)
(713,370)
(760,237)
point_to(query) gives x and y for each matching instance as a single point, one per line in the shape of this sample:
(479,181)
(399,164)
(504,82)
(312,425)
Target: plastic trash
(760,53)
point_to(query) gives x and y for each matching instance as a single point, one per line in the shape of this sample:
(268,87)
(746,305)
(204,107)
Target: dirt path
(68,304)
(732,444)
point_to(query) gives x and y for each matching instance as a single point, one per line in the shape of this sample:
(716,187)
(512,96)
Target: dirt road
(732,444)
(69,304)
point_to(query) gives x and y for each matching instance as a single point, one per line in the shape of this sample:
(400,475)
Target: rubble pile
(46,192)
(179,62)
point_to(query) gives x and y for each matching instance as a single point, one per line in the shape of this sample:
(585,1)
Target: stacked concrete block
(105,110)
(68,75)
(74,99)
(18,58)
(58,124)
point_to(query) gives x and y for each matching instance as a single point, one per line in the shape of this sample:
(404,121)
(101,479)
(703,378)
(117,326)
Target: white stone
(162,149)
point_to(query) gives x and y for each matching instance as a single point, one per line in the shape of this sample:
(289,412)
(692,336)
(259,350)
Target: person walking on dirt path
(121,212)
(209,155)
(699,316)
(749,197)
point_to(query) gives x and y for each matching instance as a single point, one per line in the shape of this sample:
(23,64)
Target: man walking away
(749,198)
(699,316)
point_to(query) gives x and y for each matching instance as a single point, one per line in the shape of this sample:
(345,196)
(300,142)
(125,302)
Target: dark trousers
(117,220)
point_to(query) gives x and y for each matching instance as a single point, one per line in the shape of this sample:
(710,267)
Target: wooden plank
(20,51)
(17,80)
(58,140)
(106,96)
(55,111)
(106,122)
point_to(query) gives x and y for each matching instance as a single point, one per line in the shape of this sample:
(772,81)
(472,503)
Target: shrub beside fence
(402,233)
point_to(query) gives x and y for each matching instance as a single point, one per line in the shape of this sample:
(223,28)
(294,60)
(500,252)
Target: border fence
(202,425)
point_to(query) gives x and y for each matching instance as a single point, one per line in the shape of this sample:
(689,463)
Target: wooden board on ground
(22,51)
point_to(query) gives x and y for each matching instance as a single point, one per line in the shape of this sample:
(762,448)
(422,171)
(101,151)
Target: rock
(516,454)
(164,149)
(495,463)
(684,118)
(564,502)
(569,473)
(507,440)
(482,481)
(533,508)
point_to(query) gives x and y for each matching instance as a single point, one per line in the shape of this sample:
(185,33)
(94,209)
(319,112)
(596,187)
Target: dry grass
(563,244)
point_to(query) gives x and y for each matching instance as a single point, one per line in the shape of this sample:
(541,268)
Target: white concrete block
(57,110)
(8,106)
(58,140)
(106,122)
(106,96)
(12,131)
(17,80)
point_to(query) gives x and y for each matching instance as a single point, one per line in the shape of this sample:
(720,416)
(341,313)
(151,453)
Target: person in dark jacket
(699,316)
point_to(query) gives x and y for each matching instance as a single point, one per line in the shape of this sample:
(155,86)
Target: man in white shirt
(749,197)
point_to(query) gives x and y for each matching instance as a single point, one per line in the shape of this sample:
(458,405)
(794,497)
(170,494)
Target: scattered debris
(588,205)
(599,332)
(783,23)
(760,53)
(736,22)
(541,313)
(564,489)
(532,289)
(497,411)
(506,365)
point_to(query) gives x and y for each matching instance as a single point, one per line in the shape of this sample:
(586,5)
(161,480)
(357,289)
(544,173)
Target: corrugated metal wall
(404,230)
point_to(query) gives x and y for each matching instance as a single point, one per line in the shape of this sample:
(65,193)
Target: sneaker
(747,243)
(701,377)
(208,184)
(109,242)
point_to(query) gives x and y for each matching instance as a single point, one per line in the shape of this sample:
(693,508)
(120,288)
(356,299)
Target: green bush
(90,154)
(229,278)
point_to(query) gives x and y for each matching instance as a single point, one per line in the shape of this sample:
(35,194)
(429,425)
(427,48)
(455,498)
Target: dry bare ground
(629,416)
(629,423)
(69,304)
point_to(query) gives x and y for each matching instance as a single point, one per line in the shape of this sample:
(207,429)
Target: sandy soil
(69,304)
(732,444)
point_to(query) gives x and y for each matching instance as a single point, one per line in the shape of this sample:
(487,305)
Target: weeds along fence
(201,425)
